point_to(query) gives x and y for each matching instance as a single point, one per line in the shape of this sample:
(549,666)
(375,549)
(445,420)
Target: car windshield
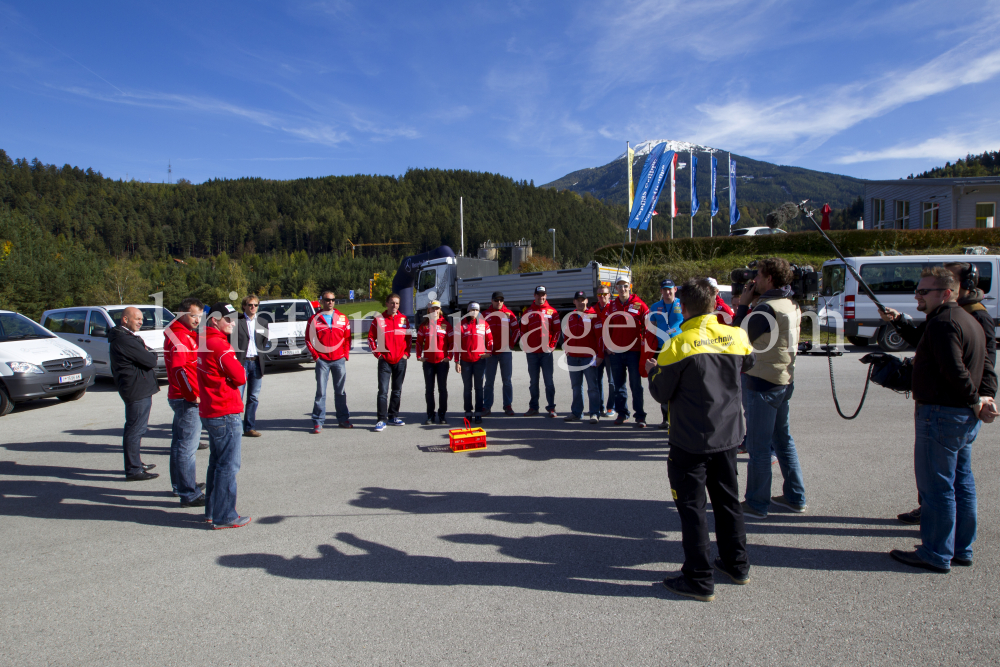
(153,317)
(833,279)
(739,232)
(14,326)
(285,311)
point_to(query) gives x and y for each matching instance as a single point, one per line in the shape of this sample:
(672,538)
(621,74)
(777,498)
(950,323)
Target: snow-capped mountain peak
(645,147)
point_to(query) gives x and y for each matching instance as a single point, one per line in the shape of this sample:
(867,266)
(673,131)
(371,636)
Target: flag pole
(691,167)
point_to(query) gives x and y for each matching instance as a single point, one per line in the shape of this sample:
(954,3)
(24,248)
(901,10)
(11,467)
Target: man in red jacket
(472,347)
(624,332)
(180,354)
(540,335)
(220,376)
(432,350)
(582,345)
(506,333)
(389,339)
(328,337)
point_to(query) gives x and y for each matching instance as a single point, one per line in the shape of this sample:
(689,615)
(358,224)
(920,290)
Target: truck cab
(436,283)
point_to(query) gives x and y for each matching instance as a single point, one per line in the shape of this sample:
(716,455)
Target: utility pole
(553,243)
(461,222)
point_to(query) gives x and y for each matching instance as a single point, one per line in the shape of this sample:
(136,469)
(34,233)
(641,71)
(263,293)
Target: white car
(34,363)
(286,330)
(756,231)
(88,327)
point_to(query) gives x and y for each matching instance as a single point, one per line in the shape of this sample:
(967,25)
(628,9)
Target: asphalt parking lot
(546,548)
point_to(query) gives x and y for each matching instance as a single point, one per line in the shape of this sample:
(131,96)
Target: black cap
(580,295)
(540,289)
(498,296)
(221,309)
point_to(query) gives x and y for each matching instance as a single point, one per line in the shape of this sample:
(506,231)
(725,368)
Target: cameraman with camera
(773,329)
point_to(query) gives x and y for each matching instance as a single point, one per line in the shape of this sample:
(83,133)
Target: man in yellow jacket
(698,376)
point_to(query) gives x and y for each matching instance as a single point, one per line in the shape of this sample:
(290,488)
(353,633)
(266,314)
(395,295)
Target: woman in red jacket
(220,376)
(432,350)
(471,346)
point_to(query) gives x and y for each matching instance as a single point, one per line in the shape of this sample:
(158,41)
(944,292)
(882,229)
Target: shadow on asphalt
(612,542)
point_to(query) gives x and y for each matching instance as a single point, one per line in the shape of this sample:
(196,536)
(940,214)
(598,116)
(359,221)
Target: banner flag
(695,204)
(734,213)
(651,181)
(715,197)
(631,188)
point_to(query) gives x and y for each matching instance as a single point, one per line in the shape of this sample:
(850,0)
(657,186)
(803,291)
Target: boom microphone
(784,213)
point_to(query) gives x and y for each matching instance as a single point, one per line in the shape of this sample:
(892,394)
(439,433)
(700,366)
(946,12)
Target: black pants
(439,371)
(390,375)
(136,421)
(473,374)
(690,475)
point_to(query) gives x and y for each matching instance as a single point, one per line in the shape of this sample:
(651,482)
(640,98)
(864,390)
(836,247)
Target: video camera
(805,280)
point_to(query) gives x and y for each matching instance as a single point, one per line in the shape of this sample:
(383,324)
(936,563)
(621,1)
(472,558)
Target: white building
(932,203)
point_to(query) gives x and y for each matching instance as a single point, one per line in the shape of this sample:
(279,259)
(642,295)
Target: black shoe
(148,466)
(442,421)
(680,586)
(477,420)
(197,502)
(913,560)
(200,486)
(141,476)
(963,562)
(202,445)
(620,419)
(428,421)
(911,518)
(721,567)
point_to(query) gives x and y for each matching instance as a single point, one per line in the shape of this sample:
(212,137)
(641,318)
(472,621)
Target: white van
(88,327)
(34,363)
(893,279)
(286,330)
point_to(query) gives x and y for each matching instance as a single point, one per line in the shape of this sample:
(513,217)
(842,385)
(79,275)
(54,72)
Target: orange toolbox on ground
(466,439)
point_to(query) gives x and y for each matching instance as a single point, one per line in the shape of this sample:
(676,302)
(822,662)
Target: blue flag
(695,204)
(654,175)
(734,213)
(715,197)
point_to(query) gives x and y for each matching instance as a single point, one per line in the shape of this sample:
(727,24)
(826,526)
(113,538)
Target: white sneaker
(611,414)
(594,419)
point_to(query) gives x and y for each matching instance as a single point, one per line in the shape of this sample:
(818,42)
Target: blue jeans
(338,370)
(942,459)
(540,361)
(184,436)
(225,440)
(767,427)
(472,378)
(505,360)
(255,378)
(622,362)
(580,368)
(136,423)
(604,368)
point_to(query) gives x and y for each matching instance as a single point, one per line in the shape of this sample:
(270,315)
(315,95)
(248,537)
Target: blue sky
(531,90)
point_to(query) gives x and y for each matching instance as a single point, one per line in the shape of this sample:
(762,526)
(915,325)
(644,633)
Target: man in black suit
(250,352)
(133,366)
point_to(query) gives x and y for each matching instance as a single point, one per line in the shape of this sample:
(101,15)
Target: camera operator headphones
(968,277)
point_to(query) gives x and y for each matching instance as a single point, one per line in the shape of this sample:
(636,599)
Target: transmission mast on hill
(170,171)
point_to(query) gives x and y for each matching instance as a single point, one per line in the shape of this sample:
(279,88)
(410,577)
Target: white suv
(36,364)
(285,320)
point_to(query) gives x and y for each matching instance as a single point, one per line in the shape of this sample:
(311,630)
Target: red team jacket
(725,313)
(440,337)
(533,321)
(220,376)
(496,327)
(627,322)
(389,338)
(180,354)
(475,339)
(584,338)
(329,342)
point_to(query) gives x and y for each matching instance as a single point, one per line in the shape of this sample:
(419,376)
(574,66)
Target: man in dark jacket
(948,389)
(133,366)
(250,354)
(698,376)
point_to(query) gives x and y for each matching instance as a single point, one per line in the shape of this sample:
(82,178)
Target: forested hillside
(987,164)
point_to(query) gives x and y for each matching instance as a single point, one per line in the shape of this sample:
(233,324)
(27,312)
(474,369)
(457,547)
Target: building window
(878,209)
(985,215)
(902,215)
(931,211)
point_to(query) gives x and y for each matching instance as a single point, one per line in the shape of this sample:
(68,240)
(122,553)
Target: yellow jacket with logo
(698,374)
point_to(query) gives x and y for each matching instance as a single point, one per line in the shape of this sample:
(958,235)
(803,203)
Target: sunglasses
(325,299)
(928,290)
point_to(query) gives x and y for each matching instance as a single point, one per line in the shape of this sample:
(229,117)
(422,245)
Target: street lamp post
(553,231)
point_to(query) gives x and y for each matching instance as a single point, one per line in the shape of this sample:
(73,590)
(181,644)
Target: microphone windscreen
(779,216)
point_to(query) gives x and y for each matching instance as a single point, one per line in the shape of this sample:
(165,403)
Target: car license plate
(70,378)
(285,353)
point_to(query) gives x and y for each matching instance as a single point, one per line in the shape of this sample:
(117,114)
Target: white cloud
(322,134)
(949,147)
